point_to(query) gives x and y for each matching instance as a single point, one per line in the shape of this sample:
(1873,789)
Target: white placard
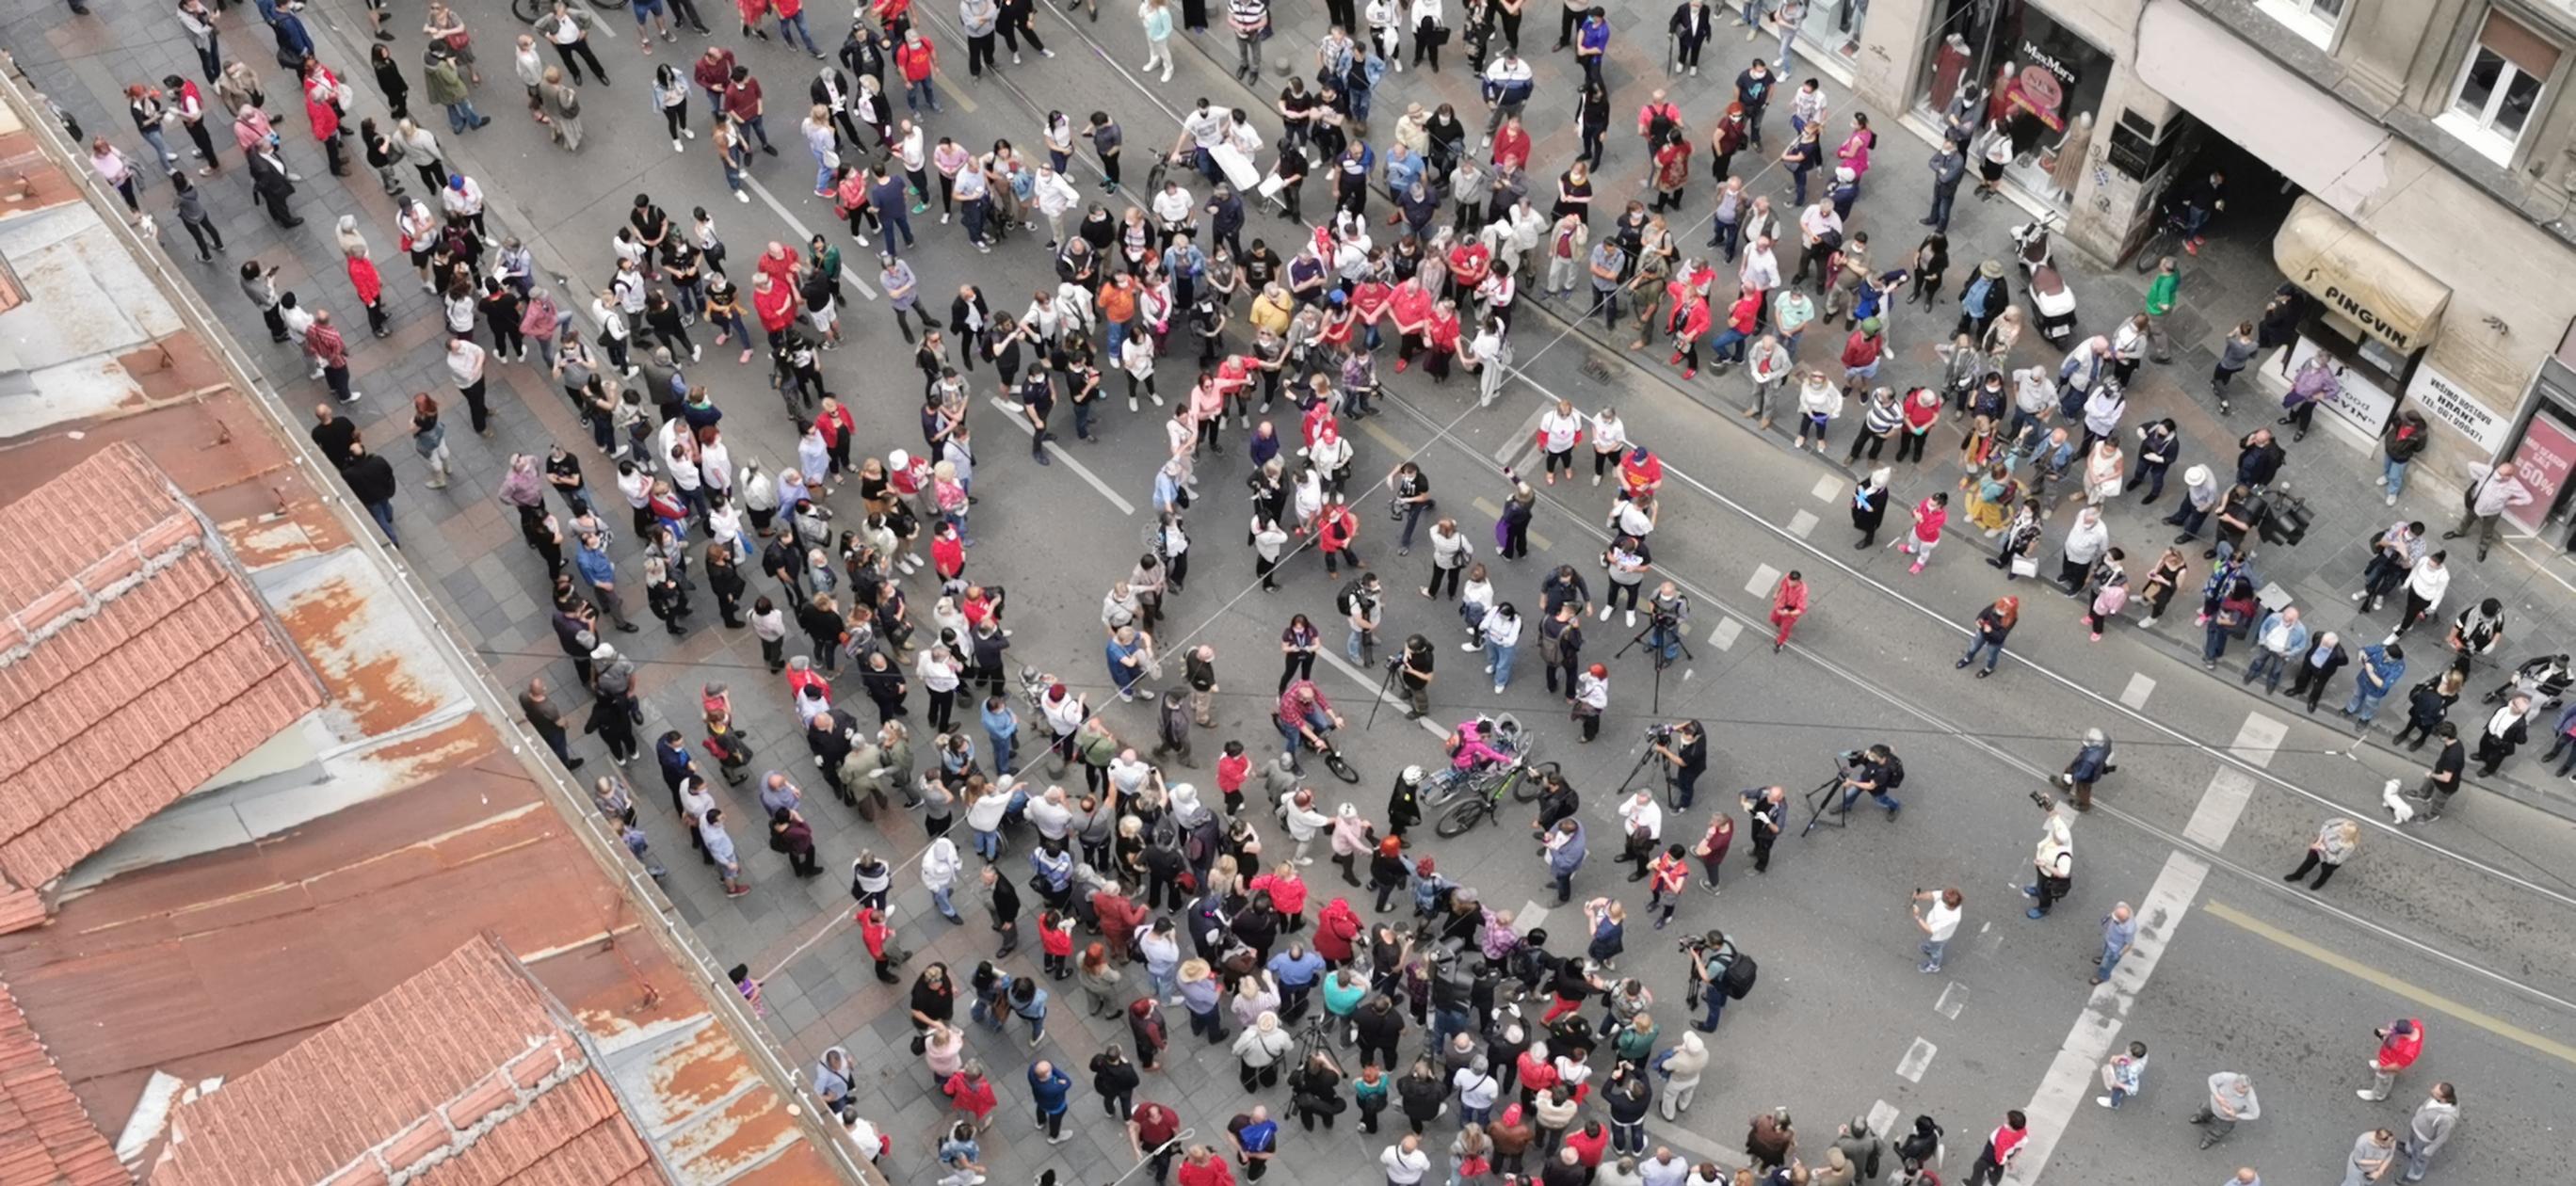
(2446,402)
(2358,409)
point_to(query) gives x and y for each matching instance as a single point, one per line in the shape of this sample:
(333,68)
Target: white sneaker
(691,133)
(1498,689)
(2103,1100)
(1489,669)
(742,197)
(675,145)
(1167,71)
(2381,480)
(1131,403)
(943,220)
(2392,500)
(1469,646)
(1632,617)
(1605,613)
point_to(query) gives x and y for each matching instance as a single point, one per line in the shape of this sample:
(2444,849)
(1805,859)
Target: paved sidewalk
(2226,283)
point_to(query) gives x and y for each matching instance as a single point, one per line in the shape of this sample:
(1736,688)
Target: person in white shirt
(1609,442)
(1760,267)
(1502,631)
(2425,585)
(1938,922)
(2492,488)
(1642,820)
(1304,823)
(1558,430)
(1405,1162)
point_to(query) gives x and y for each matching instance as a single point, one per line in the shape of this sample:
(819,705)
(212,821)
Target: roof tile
(117,712)
(408,1078)
(45,1134)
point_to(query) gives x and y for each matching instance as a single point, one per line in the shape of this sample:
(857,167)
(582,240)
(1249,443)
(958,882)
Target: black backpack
(1739,974)
(1893,773)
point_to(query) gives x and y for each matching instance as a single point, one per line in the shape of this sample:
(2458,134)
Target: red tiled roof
(135,662)
(465,1074)
(45,1134)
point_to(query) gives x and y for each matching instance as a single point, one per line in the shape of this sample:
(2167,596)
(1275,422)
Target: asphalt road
(2466,924)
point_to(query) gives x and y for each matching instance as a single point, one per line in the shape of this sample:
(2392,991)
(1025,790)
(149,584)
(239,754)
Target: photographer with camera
(1718,972)
(1669,609)
(1413,671)
(1360,603)
(1876,771)
(1768,808)
(1685,748)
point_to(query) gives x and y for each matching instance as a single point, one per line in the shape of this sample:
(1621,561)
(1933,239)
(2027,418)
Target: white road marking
(1011,412)
(2073,1072)
(2258,739)
(1531,916)
(1953,999)
(2220,804)
(1520,442)
(804,234)
(1724,634)
(1802,524)
(1765,578)
(1682,1138)
(1828,488)
(2141,686)
(1918,1059)
(1882,1118)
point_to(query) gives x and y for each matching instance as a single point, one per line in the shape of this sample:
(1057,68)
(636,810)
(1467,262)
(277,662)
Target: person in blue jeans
(1029,1001)
(1994,624)
(2381,668)
(1876,773)
(1502,631)
(2119,932)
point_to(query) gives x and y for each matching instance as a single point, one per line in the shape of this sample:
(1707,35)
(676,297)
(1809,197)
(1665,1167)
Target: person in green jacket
(2160,301)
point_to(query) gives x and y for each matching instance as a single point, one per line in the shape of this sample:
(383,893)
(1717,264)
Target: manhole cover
(1595,367)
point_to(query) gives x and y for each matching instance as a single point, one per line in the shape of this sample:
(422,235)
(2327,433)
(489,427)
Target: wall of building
(2355,146)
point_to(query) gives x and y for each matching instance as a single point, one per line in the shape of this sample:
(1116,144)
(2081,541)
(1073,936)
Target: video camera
(1658,734)
(1697,945)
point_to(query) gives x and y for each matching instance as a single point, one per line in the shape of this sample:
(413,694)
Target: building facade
(2430,141)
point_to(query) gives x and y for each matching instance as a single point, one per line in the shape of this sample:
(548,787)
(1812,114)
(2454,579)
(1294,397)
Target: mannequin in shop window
(2066,165)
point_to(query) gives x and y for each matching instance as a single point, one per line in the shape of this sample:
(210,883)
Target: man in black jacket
(829,740)
(1003,899)
(371,481)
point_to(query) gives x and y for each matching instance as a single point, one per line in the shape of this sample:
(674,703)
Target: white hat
(899,459)
(2197,475)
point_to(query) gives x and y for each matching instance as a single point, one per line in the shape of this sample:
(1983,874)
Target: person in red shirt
(1445,333)
(1588,1143)
(1233,767)
(916,58)
(1641,472)
(1287,895)
(1788,604)
(1672,172)
(1929,516)
(1335,930)
(1410,306)
(371,292)
(1369,303)
(1337,530)
(2001,1145)
(1469,262)
(1202,1167)
(948,552)
(1689,323)
(1151,1128)
(776,304)
(1511,145)
(2401,1042)
(1861,354)
(714,72)
(972,1093)
(742,102)
(839,431)
(1742,318)
(1055,943)
(878,935)
(1320,420)
(1922,411)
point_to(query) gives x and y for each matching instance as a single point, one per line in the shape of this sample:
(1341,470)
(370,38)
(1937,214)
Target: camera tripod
(1649,756)
(1384,683)
(1823,801)
(1661,660)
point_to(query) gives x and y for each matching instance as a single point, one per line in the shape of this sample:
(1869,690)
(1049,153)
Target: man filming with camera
(1684,747)
(1875,771)
(1669,609)
(1718,972)
(1413,670)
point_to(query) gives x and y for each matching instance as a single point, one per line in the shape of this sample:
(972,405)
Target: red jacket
(1214,1173)
(1335,929)
(2399,1051)
(362,273)
(974,1096)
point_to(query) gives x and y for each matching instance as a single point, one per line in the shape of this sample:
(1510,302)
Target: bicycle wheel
(1341,769)
(1526,790)
(1463,817)
(2152,250)
(525,10)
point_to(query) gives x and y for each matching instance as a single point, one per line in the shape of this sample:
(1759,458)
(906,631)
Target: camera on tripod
(1658,734)
(1695,945)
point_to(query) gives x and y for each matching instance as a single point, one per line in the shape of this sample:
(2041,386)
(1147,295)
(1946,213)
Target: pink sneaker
(2097,636)
(1918,565)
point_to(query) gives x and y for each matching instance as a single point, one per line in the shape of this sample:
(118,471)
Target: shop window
(2314,20)
(2500,84)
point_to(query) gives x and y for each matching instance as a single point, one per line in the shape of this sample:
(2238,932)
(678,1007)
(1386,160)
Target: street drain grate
(1595,367)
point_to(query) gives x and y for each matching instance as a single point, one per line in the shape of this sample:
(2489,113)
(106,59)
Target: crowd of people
(1433,236)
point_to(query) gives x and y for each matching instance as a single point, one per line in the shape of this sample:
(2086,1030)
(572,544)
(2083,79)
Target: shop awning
(2360,279)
